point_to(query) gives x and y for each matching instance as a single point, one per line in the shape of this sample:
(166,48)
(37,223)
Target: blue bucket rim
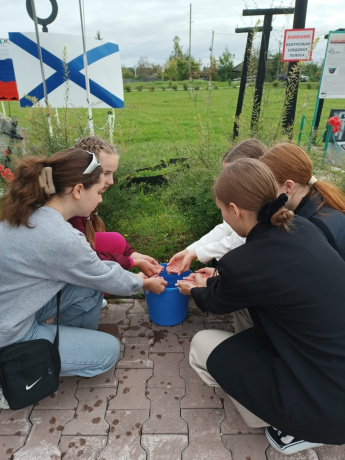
(164,264)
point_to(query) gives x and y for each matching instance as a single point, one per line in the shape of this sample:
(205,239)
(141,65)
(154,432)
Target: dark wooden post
(250,31)
(293,73)
(260,78)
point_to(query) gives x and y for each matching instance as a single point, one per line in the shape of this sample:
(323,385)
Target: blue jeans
(83,350)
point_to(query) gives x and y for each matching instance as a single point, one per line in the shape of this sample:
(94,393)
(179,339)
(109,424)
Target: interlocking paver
(81,448)
(139,326)
(47,426)
(223,322)
(15,422)
(131,390)
(165,412)
(198,394)
(309,454)
(166,341)
(151,406)
(233,422)
(227,326)
(330,452)
(173,329)
(124,435)
(139,306)
(248,446)
(166,370)
(115,313)
(192,324)
(136,354)
(63,398)
(138,340)
(107,380)
(89,415)
(9,445)
(211,318)
(164,447)
(204,435)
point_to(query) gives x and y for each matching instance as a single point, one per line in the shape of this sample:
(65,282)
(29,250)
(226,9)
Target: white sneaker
(286,444)
(3,401)
(104,303)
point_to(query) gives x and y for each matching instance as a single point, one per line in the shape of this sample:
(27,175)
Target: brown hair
(249,148)
(25,194)
(290,162)
(250,185)
(96,145)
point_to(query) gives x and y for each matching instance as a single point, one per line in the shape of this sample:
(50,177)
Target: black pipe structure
(250,31)
(293,73)
(260,78)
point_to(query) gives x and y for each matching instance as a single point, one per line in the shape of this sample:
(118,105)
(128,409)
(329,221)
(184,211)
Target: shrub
(185,86)
(155,219)
(152,88)
(139,87)
(174,87)
(128,88)
(191,190)
(275,84)
(163,88)
(196,88)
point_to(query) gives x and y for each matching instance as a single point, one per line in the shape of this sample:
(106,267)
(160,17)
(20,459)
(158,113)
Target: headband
(93,165)
(312,180)
(46,180)
(270,208)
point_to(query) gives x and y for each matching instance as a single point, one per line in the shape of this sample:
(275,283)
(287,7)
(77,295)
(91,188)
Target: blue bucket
(170,307)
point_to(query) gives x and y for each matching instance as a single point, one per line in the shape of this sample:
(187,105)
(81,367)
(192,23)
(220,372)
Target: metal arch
(49,19)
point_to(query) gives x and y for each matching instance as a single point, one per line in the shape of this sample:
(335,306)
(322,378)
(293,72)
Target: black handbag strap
(56,340)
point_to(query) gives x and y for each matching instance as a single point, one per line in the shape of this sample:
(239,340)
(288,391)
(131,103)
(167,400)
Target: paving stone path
(151,406)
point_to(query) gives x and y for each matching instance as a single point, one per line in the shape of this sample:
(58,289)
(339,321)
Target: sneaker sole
(292,448)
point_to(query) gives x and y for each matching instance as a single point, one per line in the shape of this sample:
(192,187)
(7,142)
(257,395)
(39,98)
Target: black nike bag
(29,371)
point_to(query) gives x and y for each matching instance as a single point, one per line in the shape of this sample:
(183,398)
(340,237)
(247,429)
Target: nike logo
(28,387)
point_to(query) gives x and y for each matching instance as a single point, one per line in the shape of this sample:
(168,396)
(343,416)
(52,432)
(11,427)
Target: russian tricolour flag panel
(104,70)
(8,87)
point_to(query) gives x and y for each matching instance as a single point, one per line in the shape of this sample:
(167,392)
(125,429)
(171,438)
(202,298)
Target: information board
(332,84)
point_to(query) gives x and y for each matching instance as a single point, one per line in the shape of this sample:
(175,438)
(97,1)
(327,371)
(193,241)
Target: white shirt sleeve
(216,243)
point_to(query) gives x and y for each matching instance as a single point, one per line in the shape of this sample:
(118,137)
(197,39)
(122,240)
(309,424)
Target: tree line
(179,66)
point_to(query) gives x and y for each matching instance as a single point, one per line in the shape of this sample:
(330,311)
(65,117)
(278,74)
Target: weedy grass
(187,130)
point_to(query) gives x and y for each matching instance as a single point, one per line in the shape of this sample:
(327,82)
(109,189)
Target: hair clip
(46,180)
(93,165)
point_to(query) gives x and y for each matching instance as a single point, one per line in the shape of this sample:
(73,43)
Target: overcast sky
(147,28)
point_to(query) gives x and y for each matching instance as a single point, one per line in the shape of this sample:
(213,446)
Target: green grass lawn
(161,125)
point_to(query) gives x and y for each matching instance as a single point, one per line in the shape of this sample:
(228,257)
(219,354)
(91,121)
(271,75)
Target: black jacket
(289,369)
(330,222)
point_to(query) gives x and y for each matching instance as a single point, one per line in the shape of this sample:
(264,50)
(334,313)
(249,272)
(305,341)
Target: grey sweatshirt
(37,262)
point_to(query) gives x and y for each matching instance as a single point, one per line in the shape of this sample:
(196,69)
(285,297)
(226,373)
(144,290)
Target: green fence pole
(328,135)
(301,128)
